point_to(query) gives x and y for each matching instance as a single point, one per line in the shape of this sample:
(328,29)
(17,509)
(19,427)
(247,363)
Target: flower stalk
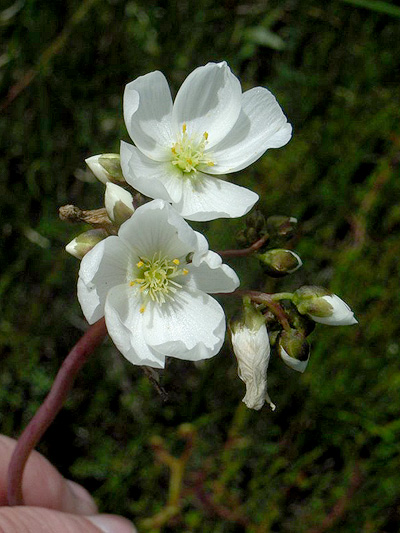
(51,406)
(243,252)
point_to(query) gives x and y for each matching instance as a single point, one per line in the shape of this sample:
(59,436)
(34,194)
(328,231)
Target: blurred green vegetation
(328,459)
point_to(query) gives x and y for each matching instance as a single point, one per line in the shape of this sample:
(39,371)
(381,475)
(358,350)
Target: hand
(52,503)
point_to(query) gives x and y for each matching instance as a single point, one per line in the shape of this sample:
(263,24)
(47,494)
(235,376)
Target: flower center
(188,152)
(157,278)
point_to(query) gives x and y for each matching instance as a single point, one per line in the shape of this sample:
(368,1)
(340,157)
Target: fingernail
(112,524)
(84,503)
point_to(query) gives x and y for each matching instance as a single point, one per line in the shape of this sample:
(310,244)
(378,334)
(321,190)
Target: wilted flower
(151,284)
(252,350)
(210,129)
(323,307)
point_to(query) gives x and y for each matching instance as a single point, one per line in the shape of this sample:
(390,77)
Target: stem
(281,296)
(51,407)
(269,301)
(245,251)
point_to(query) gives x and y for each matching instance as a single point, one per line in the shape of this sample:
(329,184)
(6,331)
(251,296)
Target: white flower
(252,350)
(151,284)
(211,129)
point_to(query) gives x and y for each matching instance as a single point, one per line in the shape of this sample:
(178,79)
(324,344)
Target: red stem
(51,406)
(245,251)
(264,298)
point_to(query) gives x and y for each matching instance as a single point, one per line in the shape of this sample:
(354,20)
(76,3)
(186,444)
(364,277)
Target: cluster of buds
(279,322)
(119,206)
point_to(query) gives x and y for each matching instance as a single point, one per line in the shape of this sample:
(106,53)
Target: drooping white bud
(82,244)
(118,203)
(106,167)
(323,307)
(294,350)
(252,350)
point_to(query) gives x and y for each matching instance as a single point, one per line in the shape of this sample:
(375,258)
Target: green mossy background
(328,459)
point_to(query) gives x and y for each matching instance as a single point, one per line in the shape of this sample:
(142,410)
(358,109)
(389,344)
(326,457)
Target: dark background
(328,458)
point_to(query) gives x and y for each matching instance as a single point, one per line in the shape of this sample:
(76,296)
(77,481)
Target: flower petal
(152,178)
(192,327)
(208,198)
(101,269)
(125,326)
(208,274)
(261,125)
(147,114)
(209,101)
(157,227)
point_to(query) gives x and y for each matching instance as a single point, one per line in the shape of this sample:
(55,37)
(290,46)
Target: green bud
(241,239)
(106,167)
(294,349)
(256,220)
(323,306)
(302,323)
(279,262)
(82,244)
(309,300)
(281,226)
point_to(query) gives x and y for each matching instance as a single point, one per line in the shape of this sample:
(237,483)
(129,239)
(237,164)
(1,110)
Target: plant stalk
(51,406)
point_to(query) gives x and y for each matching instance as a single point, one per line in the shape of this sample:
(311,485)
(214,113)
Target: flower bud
(118,203)
(302,323)
(252,350)
(294,350)
(279,262)
(106,167)
(323,307)
(82,244)
(255,220)
(281,226)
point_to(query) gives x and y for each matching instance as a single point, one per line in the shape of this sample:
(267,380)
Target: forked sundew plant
(150,281)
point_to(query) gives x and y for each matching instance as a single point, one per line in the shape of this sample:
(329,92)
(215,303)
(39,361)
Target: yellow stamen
(185,272)
(141,310)
(190,152)
(132,283)
(176,261)
(140,264)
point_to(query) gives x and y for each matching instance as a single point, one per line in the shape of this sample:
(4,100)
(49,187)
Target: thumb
(39,520)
